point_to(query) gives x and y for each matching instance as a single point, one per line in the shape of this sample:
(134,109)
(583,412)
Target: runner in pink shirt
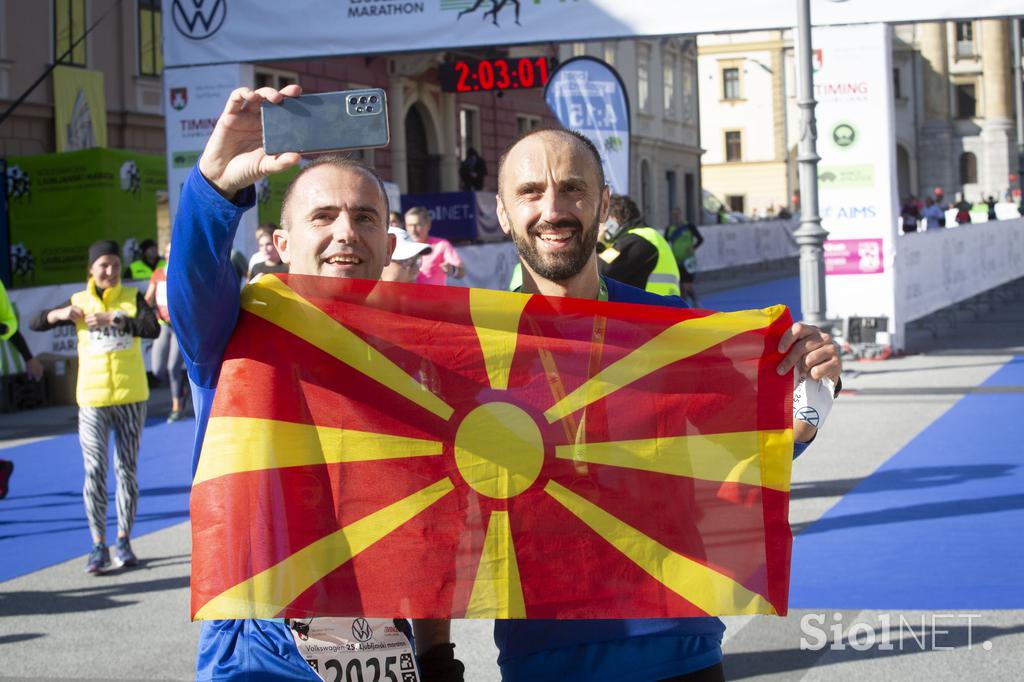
(443,260)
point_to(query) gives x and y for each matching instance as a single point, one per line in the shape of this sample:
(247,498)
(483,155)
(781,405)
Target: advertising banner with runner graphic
(857,173)
(62,203)
(491,440)
(220,31)
(79,109)
(193,101)
(587,95)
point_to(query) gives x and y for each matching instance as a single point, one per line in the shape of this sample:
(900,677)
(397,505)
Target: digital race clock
(476,75)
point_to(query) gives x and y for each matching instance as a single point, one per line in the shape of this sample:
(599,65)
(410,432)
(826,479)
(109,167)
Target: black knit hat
(104,247)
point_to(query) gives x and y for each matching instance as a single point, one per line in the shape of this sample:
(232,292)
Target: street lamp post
(810,236)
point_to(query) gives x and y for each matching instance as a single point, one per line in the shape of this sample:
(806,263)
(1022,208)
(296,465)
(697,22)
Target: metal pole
(810,236)
(1018,92)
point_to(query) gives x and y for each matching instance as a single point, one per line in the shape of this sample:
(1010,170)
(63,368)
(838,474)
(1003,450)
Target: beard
(557,267)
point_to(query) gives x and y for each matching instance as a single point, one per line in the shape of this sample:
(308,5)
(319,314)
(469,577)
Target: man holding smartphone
(334,223)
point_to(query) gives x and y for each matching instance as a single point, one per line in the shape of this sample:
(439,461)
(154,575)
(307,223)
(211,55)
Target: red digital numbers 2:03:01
(475,75)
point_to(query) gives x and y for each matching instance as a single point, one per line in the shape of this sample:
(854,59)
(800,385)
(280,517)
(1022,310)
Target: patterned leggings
(94,425)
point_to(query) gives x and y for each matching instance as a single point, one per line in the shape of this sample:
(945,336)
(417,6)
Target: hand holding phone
(234,157)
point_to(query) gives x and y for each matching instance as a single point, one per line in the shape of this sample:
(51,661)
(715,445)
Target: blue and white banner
(587,95)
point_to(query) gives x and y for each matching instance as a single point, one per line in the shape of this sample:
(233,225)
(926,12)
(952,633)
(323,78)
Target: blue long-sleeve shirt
(202,295)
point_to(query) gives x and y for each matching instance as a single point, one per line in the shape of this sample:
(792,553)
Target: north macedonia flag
(430,452)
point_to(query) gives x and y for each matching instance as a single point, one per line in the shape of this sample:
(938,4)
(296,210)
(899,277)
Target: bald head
(589,158)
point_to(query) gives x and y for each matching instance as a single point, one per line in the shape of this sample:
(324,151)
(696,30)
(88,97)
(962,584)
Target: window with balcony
(965,39)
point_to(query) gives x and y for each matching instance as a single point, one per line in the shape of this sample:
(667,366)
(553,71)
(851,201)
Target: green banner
(62,203)
(270,192)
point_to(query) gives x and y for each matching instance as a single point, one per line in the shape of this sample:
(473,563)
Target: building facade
(660,76)
(953,105)
(125,47)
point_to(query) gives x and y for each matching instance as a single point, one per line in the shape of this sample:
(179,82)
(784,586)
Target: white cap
(405,246)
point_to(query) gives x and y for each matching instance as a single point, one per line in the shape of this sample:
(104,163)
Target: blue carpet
(938,526)
(785,290)
(42,520)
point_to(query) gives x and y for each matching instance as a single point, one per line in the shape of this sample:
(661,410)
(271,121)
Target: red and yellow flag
(374,450)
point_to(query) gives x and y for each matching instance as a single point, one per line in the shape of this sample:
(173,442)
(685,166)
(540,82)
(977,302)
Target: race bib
(161,294)
(690,264)
(356,649)
(108,340)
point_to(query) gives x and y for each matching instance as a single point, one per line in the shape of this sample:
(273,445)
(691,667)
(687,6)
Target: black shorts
(685,275)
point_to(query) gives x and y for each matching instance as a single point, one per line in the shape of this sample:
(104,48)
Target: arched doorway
(424,168)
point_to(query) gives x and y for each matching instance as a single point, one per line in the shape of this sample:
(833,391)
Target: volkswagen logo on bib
(361,630)
(198,19)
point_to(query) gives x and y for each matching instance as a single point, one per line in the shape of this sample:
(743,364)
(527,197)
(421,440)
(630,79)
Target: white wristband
(812,400)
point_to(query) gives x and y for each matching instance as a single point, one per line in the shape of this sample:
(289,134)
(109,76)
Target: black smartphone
(326,121)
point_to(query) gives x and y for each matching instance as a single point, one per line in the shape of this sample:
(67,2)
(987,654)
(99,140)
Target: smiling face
(106,271)
(551,202)
(336,225)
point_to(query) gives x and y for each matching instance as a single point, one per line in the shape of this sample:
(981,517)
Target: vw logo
(198,19)
(361,630)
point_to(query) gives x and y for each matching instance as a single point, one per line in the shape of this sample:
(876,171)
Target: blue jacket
(202,295)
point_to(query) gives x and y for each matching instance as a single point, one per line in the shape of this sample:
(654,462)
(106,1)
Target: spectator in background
(112,392)
(143,267)
(963,210)
(934,216)
(406,259)
(685,239)
(991,203)
(395,220)
(165,357)
(271,258)
(443,260)
(259,256)
(472,171)
(939,197)
(9,332)
(910,215)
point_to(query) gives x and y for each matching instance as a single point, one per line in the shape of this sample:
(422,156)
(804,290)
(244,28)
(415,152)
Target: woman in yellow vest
(112,392)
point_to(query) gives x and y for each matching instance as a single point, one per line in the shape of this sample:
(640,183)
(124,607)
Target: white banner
(488,266)
(732,244)
(193,101)
(938,268)
(220,31)
(857,173)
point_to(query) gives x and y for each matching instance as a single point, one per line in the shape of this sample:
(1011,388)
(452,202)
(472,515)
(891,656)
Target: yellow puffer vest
(110,367)
(664,280)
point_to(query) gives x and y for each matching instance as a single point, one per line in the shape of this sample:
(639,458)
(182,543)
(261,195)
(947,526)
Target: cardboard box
(61,377)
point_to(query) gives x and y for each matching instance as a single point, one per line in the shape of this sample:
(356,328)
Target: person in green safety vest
(146,265)
(633,254)
(685,239)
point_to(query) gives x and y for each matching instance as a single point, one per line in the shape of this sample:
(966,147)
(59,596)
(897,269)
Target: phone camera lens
(359,110)
(373,99)
(369,109)
(353,101)
(362,100)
